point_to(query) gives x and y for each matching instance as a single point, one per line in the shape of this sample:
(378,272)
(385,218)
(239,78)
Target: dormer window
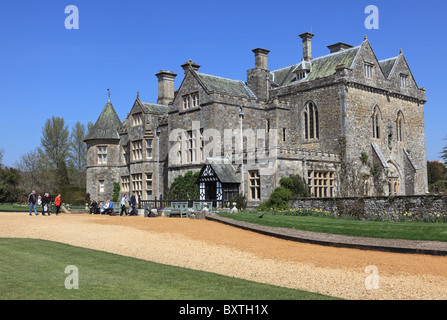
(403,81)
(368,70)
(137,119)
(300,76)
(190,101)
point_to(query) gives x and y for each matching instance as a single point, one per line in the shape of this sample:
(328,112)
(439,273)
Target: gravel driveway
(215,247)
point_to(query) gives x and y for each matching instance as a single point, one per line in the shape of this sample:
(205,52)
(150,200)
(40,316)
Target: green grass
(375,229)
(17,208)
(35,269)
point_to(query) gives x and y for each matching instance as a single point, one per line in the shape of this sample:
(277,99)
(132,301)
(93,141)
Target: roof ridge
(219,77)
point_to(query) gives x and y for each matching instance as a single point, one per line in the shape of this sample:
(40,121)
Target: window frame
(311,119)
(101,155)
(254,185)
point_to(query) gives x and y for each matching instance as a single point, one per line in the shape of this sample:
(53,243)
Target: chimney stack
(307,45)
(165,86)
(340,46)
(258,78)
(261,58)
(190,64)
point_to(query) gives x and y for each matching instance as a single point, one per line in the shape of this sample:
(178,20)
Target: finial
(138,94)
(108,94)
(401,51)
(366,37)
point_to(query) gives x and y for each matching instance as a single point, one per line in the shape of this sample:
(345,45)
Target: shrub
(296,185)
(241,201)
(279,200)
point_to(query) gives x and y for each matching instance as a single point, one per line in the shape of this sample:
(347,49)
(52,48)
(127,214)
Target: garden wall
(366,207)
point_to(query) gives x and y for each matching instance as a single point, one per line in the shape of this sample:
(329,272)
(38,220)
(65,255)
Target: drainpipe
(241,117)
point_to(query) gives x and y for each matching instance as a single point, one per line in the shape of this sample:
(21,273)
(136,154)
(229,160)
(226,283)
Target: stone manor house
(346,122)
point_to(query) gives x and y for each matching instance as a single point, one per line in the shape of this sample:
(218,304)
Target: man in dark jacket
(32,203)
(133,203)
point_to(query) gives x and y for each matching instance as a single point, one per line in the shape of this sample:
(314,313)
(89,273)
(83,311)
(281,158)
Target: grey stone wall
(364,207)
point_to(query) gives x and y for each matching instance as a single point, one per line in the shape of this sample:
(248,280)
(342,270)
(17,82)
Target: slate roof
(223,169)
(319,67)
(107,125)
(387,65)
(225,85)
(155,108)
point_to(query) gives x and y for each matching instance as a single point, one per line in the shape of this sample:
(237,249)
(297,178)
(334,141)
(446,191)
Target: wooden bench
(177,208)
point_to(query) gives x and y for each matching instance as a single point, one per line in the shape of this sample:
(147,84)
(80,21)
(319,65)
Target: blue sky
(46,69)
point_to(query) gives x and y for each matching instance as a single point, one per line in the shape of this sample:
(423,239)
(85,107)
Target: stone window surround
(101,186)
(102,154)
(125,183)
(254,180)
(137,150)
(149,148)
(400,121)
(137,119)
(321,183)
(376,118)
(403,80)
(369,70)
(311,122)
(190,101)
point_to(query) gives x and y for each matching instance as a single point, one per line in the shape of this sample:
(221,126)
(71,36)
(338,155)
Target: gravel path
(215,247)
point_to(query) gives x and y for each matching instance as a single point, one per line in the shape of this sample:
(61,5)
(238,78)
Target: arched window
(400,126)
(311,122)
(376,123)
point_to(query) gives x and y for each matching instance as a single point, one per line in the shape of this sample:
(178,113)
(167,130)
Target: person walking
(45,204)
(57,203)
(32,203)
(133,203)
(123,205)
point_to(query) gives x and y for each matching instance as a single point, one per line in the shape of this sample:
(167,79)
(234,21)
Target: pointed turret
(107,125)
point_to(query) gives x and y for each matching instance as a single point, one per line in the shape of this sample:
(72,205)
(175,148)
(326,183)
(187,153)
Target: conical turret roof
(107,125)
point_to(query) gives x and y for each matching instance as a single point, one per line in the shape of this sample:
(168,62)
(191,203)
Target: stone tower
(103,154)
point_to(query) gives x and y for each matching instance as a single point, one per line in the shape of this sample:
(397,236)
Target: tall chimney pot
(165,86)
(261,58)
(307,45)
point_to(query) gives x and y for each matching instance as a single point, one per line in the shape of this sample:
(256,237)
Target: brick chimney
(307,45)
(257,78)
(165,86)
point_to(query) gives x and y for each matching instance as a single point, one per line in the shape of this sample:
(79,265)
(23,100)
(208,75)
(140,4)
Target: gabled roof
(387,65)
(155,108)
(319,67)
(107,125)
(221,169)
(225,85)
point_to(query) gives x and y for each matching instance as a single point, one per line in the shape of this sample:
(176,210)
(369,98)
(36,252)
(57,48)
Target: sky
(48,70)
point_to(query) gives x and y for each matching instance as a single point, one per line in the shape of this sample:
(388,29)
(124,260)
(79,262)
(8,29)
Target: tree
(9,184)
(296,185)
(78,154)
(444,153)
(55,143)
(184,187)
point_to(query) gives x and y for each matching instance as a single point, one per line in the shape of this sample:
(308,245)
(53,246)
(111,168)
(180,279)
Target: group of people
(107,208)
(44,201)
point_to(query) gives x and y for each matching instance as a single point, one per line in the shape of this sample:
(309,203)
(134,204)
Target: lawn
(376,229)
(7,207)
(35,270)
